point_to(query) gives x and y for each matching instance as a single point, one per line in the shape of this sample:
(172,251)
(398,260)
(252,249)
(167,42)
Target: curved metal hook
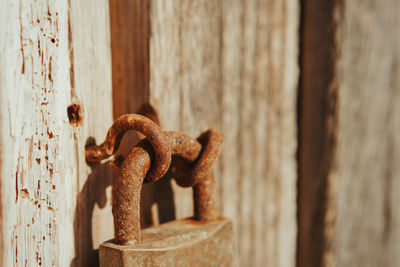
(158,139)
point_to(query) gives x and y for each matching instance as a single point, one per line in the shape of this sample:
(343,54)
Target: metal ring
(203,156)
(211,142)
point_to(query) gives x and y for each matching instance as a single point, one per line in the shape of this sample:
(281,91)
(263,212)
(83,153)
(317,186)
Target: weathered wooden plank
(129,23)
(350,123)
(53,55)
(184,72)
(130,55)
(90,36)
(233,65)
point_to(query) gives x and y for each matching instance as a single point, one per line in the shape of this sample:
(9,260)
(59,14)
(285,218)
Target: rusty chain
(149,160)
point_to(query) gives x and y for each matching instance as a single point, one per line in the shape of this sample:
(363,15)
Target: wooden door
(305,92)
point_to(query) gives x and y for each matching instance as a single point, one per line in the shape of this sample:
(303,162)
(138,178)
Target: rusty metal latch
(149,161)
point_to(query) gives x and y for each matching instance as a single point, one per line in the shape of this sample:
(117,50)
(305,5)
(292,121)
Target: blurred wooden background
(307,94)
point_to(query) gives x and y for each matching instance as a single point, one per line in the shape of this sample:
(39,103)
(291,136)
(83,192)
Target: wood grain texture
(53,54)
(232,65)
(185,72)
(129,22)
(130,29)
(359,176)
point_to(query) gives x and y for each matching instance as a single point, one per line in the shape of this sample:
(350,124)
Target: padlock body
(177,243)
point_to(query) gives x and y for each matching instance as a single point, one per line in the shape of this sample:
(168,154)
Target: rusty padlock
(205,240)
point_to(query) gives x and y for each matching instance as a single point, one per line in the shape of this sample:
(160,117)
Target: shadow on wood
(93,192)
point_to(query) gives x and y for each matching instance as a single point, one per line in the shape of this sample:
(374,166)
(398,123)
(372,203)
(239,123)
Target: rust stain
(20,38)
(71,53)
(74,112)
(49,134)
(24,193)
(16,186)
(18,170)
(49,74)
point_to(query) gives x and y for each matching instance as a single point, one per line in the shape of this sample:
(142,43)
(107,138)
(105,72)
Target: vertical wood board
(367,177)
(52,55)
(232,65)
(357,176)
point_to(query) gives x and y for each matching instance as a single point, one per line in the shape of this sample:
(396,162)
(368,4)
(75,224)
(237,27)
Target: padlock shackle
(128,185)
(126,190)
